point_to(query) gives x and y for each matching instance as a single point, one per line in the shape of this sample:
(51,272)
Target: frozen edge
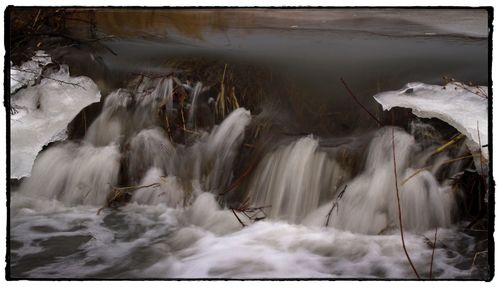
(456,104)
(53,121)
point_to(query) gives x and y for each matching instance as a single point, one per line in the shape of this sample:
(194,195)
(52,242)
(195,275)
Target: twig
(480,154)
(399,206)
(449,143)
(481,93)
(483,178)
(475,256)
(428,167)
(475,230)
(118,191)
(135,187)
(238,180)
(36,19)
(463,86)
(24,85)
(242,224)
(252,212)
(168,128)
(191,131)
(153,76)
(183,120)
(335,204)
(360,104)
(84,121)
(54,34)
(433,249)
(45,77)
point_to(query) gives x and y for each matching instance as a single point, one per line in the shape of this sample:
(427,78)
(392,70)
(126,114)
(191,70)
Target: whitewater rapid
(181,226)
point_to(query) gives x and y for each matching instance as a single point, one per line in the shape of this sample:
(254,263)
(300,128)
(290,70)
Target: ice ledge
(463,107)
(41,113)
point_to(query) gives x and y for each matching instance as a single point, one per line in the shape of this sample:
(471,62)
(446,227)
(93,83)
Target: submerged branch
(252,213)
(238,180)
(119,194)
(335,205)
(242,224)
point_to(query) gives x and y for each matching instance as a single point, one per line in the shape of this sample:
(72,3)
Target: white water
(369,203)
(74,174)
(287,173)
(194,98)
(178,229)
(202,241)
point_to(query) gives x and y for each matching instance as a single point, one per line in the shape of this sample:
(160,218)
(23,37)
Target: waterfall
(369,203)
(127,137)
(149,148)
(192,110)
(174,216)
(74,173)
(293,179)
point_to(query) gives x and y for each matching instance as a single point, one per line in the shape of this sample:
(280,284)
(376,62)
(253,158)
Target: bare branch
(242,224)
(433,249)
(335,205)
(360,104)
(399,206)
(45,77)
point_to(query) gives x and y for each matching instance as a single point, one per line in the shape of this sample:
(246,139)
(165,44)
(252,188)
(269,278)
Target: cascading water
(74,174)
(286,174)
(177,224)
(369,205)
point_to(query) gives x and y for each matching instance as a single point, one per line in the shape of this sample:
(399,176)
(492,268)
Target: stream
(297,183)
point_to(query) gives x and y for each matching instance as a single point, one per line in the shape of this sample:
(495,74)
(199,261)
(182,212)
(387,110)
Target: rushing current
(316,216)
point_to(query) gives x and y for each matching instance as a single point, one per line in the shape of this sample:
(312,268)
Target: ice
(28,72)
(41,113)
(463,107)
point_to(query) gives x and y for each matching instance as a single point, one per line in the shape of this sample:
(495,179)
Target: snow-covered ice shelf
(40,113)
(463,107)
(28,72)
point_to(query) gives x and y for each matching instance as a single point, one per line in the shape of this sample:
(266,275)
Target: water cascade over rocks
(178,223)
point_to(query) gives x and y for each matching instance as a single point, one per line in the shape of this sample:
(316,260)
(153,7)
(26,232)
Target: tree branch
(399,206)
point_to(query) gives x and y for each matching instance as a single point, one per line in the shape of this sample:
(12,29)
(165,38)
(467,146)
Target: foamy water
(203,241)
(181,228)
